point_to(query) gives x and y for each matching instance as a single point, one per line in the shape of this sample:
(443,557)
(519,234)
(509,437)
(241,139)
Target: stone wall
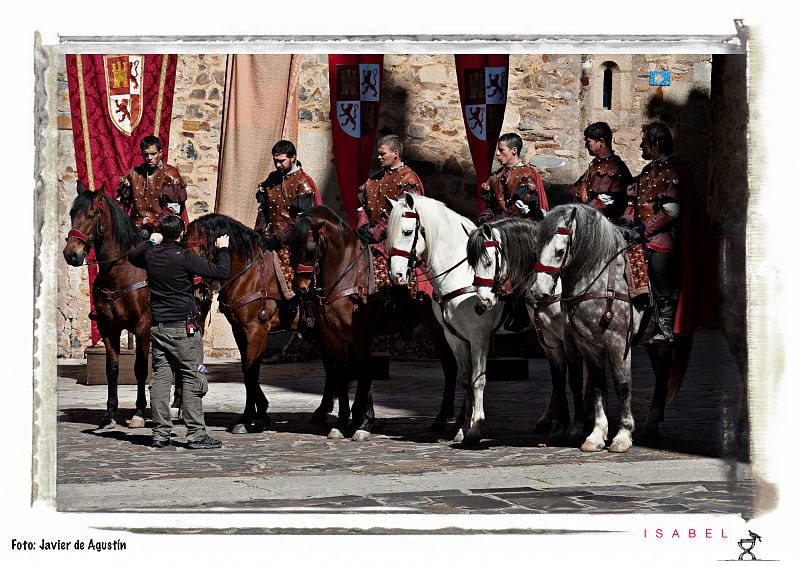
(193,149)
(551,99)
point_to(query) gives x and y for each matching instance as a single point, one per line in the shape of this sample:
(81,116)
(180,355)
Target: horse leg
(363,413)
(659,355)
(140,371)
(450,369)
(545,423)
(596,441)
(472,434)
(621,372)
(111,342)
(461,353)
(337,351)
(320,415)
(254,418)
(177,398)
(558,375)
(582,395)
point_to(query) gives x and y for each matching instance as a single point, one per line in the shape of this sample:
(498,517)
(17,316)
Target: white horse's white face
(492,268)
(410,236)
(551,260)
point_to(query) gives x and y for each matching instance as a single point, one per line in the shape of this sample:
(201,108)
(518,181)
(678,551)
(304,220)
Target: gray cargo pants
(174,351)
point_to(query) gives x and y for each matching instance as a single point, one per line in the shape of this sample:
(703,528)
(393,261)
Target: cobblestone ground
(407,467)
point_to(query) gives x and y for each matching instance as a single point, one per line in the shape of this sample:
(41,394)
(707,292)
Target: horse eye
(407,233)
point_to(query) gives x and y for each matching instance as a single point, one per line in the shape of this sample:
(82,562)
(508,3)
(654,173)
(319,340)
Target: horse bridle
(552,270)
(88,239)
(495,284)
(311,271)
(413,259)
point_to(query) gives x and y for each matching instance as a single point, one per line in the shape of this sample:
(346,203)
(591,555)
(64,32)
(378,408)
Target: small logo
(660,78)
(747,545)
(357,97)
(124,90)
(485,99)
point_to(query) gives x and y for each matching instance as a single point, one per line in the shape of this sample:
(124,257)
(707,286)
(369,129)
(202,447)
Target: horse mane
(518,238)
(122,226)
(433,214)
(594,240)
(244,242)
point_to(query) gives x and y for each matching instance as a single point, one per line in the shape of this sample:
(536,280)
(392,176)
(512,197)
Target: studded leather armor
(605,176)
(276,194)
(145,194)
(508,184)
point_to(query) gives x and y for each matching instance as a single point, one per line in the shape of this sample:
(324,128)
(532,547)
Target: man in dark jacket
(176,345)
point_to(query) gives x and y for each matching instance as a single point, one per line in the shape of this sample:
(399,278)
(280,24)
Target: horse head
(405,240)
(90,217)
(306,245)
(195,238)
(554,252)
(485,256)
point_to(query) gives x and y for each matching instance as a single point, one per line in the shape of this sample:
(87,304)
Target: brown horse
(251,299)
(332,272)
(120,292)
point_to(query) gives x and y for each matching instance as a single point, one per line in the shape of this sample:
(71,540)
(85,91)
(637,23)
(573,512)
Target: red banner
(355,85)
(483,86)
(115,101)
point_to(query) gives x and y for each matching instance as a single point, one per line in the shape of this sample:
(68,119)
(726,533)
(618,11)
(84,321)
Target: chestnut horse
(332,272)
(120,292)
(251,300)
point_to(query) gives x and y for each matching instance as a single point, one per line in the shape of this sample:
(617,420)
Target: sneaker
(160,443)
(204,442)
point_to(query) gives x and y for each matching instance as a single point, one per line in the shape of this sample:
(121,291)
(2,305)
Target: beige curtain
(260,107)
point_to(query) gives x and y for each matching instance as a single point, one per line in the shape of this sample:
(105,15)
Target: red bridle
(540,268)
(481,281)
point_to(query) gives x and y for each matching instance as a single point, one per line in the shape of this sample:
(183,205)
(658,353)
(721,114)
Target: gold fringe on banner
(160,100)
(85,123)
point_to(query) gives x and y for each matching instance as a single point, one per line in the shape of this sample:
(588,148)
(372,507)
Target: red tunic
(501,190)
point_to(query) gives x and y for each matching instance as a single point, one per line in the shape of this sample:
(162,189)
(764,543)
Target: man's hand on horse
(223,241)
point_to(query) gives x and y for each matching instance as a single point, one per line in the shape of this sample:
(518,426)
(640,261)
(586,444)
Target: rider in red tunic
(152,189)
(515,189)
(604,184)
(668,218)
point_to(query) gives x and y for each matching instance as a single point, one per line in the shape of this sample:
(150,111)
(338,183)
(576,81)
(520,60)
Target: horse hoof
(136,422)
(459,437)
(361,436)
(175,413)
(107,424)
(335,434)
(591,446)
(259,425)
(542,427)
(240,428)
(319,418)
(649,434)
(621,447)
(471,440)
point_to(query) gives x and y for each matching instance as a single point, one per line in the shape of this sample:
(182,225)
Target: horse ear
(102,188)
(80,187)
(389,203)
(465,230)
(409,200)
(487,231)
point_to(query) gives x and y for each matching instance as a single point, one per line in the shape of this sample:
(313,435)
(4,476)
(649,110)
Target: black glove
(273,243)
(364,233)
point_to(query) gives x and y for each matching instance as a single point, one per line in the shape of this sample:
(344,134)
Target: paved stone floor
(406,467)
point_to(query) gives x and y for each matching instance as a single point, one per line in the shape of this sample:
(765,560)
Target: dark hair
(512,140)
(147,141)
(598,131)
(393,142)
(284,147)
(657,134)
(171,227)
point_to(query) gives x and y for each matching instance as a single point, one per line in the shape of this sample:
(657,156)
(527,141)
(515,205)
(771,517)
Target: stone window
(611,86)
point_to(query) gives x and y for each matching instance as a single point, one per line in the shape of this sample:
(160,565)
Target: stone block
(433,74)
(96,366)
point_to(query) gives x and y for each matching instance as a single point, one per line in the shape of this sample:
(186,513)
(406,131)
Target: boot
(665,314)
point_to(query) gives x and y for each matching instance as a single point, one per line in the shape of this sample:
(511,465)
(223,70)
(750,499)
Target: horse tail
(681,352)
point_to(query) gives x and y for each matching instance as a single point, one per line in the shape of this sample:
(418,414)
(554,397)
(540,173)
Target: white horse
(503,254)
(421,227)
(579,247)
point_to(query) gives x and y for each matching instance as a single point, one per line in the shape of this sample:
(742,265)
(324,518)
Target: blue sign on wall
(660,78)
